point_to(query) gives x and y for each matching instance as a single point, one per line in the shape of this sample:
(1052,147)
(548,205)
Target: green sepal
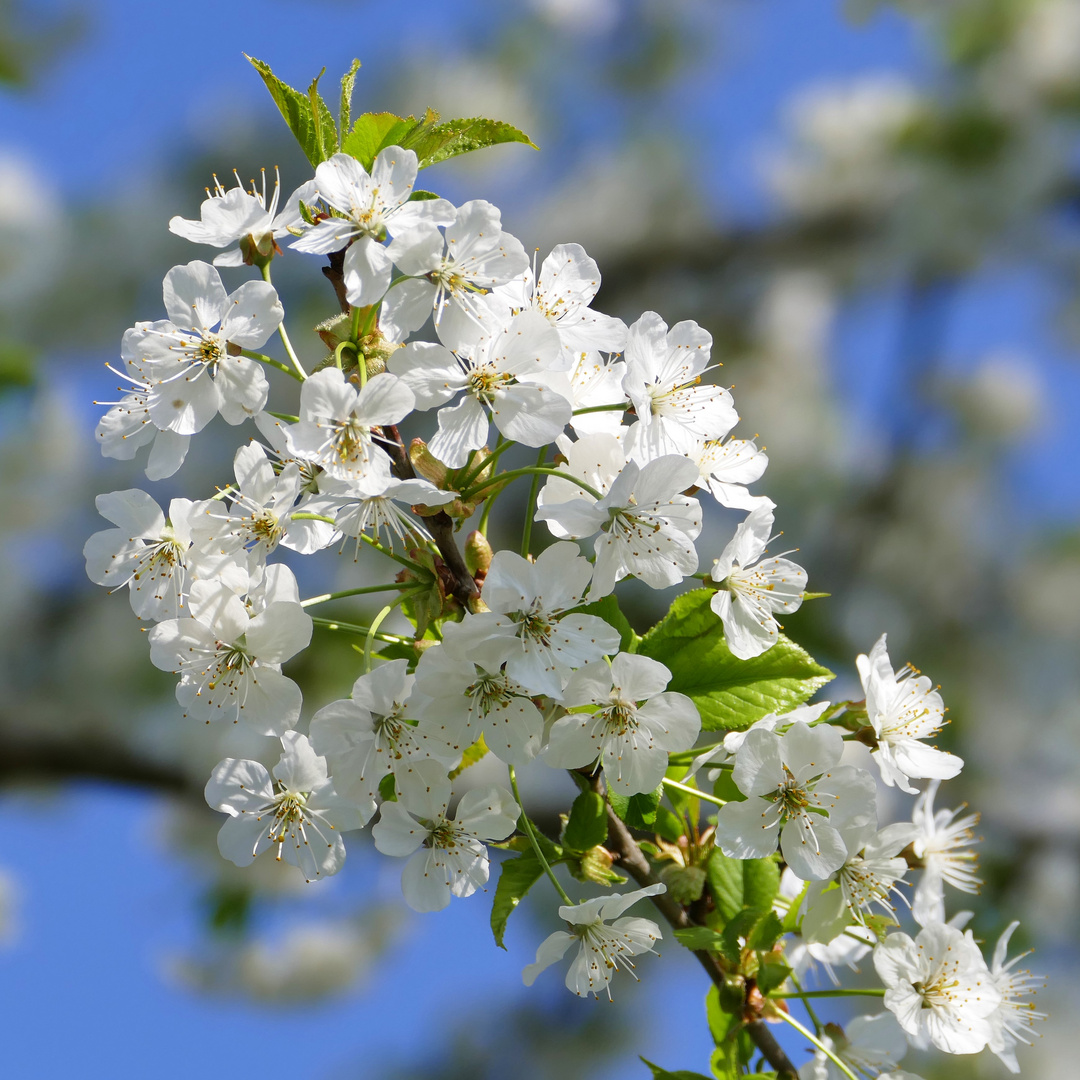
(638,811)
(587,826)
(387,790)
(730,694)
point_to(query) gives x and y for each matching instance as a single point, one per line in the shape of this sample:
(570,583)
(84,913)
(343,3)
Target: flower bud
(427,464)
(478,553)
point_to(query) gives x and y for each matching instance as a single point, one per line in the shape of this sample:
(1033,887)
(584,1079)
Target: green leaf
(473,753)
(306,114)
(587,826)
(419,195)
(719,1020)
(765,933)
(771,975)
(638,811)
(348,81)
(682,1074)
(608,609)
(700,938)
(326,133)
(739,927)
(668,825)
(387,791)
(373,131)
(730,693)
(438,142)
(742,883)
(516,877)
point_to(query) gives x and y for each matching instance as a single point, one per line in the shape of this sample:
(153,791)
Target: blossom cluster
(515,654)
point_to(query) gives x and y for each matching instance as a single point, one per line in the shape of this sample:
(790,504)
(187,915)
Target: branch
(335,274)
(633,860)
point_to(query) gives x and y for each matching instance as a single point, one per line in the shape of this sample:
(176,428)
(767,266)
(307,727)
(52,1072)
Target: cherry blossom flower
(602,949)
(562,292)
(229,216)
(491,371)
(146,552)
(868,876)
(373,504)
(647,526)
(798,796)
(753,588)
(302,813)
(942,843)
(230,661)
(376,731)
(939,987)
(903,709)
(187,362)
(633,726)
(663,380)
(448,855)
(450,274)
(337,419)
(370,206)
(1011,1021)
(727,466)
(527,602)
(590,382)
(865,1044)
(464,687)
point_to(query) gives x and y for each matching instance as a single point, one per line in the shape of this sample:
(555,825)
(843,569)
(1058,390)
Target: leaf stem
(377,622)
(271,362)
(600,408)
(352,628)
(808,1034)
(289,350)
(867,992)
(526,824)
(686,790)
(311,600)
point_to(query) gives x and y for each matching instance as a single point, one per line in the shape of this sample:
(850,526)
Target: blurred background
(873,207)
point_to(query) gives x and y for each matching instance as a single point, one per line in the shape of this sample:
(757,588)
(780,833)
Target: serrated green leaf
(587,826)
(742,883)
(741,926)
(771,975)
(730,693)
(372,131)
(700,938)
(725,1062)
(765,933)
(452,138)
(299,113)
(608,609)
(668,825)
(682,1074)
(516,877)
(326,133)
(348,81)
(638,811)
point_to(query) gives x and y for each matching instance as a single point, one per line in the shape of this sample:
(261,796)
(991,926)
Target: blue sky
(102,902)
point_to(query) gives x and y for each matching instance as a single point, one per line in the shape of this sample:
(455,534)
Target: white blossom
(1011,1021)
(633,726)
(376,732)
(337,422)
(302,813)
(752,589)
(493,371)
(230,661)
(865,1044)
(939,987)
(590,382)
(528,601)
(903,708)
(229,216)
(370,206)
(942,843)
(448,856)
(663,380)
(798,796)
(373,504)
(602,949)
(727,466)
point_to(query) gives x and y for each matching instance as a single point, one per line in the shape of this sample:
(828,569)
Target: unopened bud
(427,464)
(478,553)
(733,994)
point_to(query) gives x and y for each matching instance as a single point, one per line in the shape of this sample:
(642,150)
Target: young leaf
(765,933)
(682,1074)
(348,81)
(742,883)
(438,142)
(697,938)
(638,811)
(372,131)
(516,877)
(297,110)
(608,610)
(771,975)
(587,826)
(326,133)
(730,693)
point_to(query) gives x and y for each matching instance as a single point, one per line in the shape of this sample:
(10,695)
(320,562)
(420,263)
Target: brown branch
(621,843)
(335,274)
